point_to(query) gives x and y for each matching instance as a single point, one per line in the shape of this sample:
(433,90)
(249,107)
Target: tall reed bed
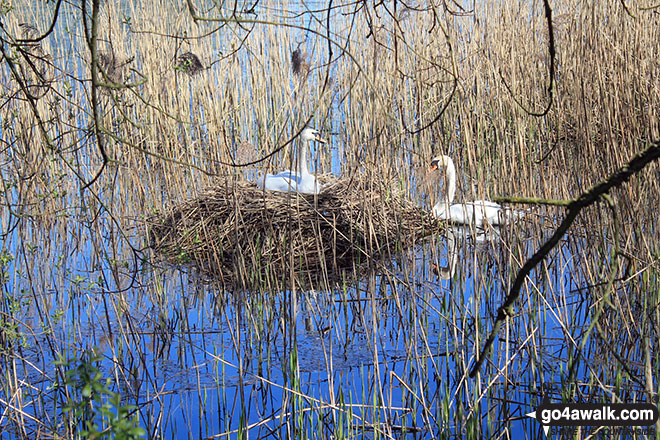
(380,352)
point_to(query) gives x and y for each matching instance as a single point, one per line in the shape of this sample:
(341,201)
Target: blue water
(202,359)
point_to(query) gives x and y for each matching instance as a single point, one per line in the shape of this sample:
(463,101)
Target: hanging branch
(551,68)
(91,34)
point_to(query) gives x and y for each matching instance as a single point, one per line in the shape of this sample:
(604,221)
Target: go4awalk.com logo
(564,417)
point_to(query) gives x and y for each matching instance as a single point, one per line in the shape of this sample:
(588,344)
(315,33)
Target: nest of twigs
(247,236)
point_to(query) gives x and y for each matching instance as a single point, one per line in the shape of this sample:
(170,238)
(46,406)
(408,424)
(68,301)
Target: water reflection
(480,239)
(390,333)
(447,272)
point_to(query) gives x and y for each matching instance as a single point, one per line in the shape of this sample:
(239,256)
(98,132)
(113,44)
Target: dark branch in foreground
(574,207)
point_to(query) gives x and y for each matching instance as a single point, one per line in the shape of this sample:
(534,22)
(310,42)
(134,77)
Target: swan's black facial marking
(318,138)
(434,165)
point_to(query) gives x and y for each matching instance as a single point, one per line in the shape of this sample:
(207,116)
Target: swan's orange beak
(318,138)
(434,166)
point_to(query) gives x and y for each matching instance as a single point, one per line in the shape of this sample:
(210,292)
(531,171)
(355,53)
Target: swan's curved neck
(302,157)
(441,207)
(450,181)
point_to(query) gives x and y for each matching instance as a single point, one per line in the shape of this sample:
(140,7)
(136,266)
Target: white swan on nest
(290,181)
(478,213)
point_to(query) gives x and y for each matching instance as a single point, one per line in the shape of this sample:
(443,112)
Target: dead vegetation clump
(189,63)
(242,234)
(114,67)
(299,63)
(36,65)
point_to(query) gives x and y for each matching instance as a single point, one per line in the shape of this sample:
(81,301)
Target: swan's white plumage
(479,212)
(290,181)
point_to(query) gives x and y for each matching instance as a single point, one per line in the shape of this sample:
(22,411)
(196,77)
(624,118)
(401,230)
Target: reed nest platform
(245,235)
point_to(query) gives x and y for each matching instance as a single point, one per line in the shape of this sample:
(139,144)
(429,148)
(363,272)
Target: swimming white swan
(303,181)
(479,213)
